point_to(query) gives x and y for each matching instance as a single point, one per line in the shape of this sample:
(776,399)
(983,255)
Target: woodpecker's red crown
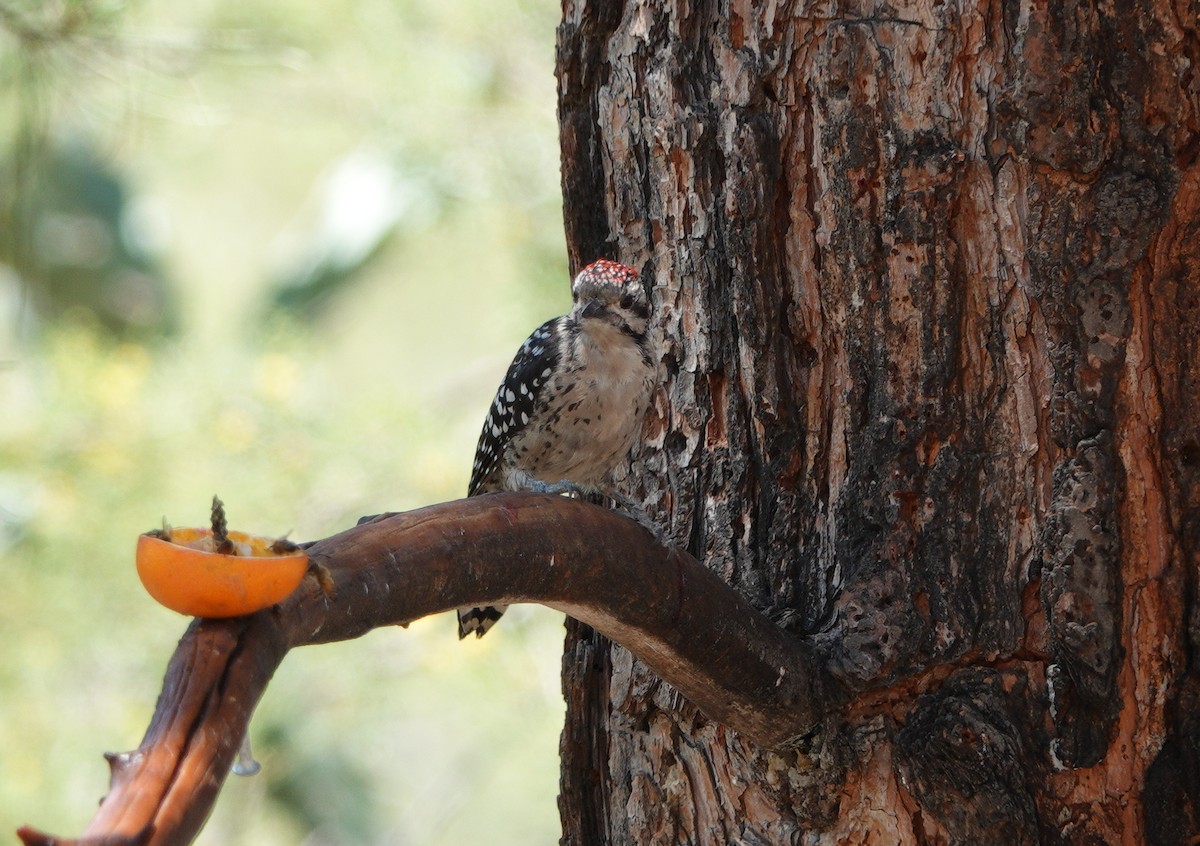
(610,272)
(608,283)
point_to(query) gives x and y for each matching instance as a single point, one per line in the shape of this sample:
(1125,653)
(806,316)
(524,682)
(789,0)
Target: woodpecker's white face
(612,292)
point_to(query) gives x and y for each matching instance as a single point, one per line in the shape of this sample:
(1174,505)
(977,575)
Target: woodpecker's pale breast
(592,412)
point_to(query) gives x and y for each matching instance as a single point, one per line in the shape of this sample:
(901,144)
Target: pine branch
(685,623)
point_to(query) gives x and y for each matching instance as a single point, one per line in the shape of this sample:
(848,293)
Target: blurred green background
(281,252)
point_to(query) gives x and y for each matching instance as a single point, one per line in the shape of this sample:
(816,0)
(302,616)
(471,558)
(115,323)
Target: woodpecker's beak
(592,309)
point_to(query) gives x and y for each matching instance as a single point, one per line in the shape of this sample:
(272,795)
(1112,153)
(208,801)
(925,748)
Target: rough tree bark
(927,279)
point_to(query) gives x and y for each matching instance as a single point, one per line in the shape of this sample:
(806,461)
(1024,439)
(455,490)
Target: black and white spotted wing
(514,405)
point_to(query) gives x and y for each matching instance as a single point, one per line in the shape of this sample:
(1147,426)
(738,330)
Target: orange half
(185,575)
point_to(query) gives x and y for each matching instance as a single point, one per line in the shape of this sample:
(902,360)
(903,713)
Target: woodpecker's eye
(627,301)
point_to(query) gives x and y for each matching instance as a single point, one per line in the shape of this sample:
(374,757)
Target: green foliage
(224,120)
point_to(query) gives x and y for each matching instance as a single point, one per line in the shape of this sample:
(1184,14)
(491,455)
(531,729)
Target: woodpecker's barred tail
(571,405)
(478,620)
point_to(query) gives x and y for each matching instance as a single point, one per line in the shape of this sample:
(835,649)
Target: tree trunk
(927,290)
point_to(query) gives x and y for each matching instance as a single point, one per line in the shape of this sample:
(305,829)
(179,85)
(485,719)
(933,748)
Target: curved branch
(685,623)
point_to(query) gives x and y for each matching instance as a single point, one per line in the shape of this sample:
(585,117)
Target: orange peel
(181,570)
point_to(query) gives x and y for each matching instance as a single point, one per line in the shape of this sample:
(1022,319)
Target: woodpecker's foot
(634,511)
(622,503)
(558,488)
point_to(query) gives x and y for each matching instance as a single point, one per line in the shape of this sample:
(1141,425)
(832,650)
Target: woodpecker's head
(606,290)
